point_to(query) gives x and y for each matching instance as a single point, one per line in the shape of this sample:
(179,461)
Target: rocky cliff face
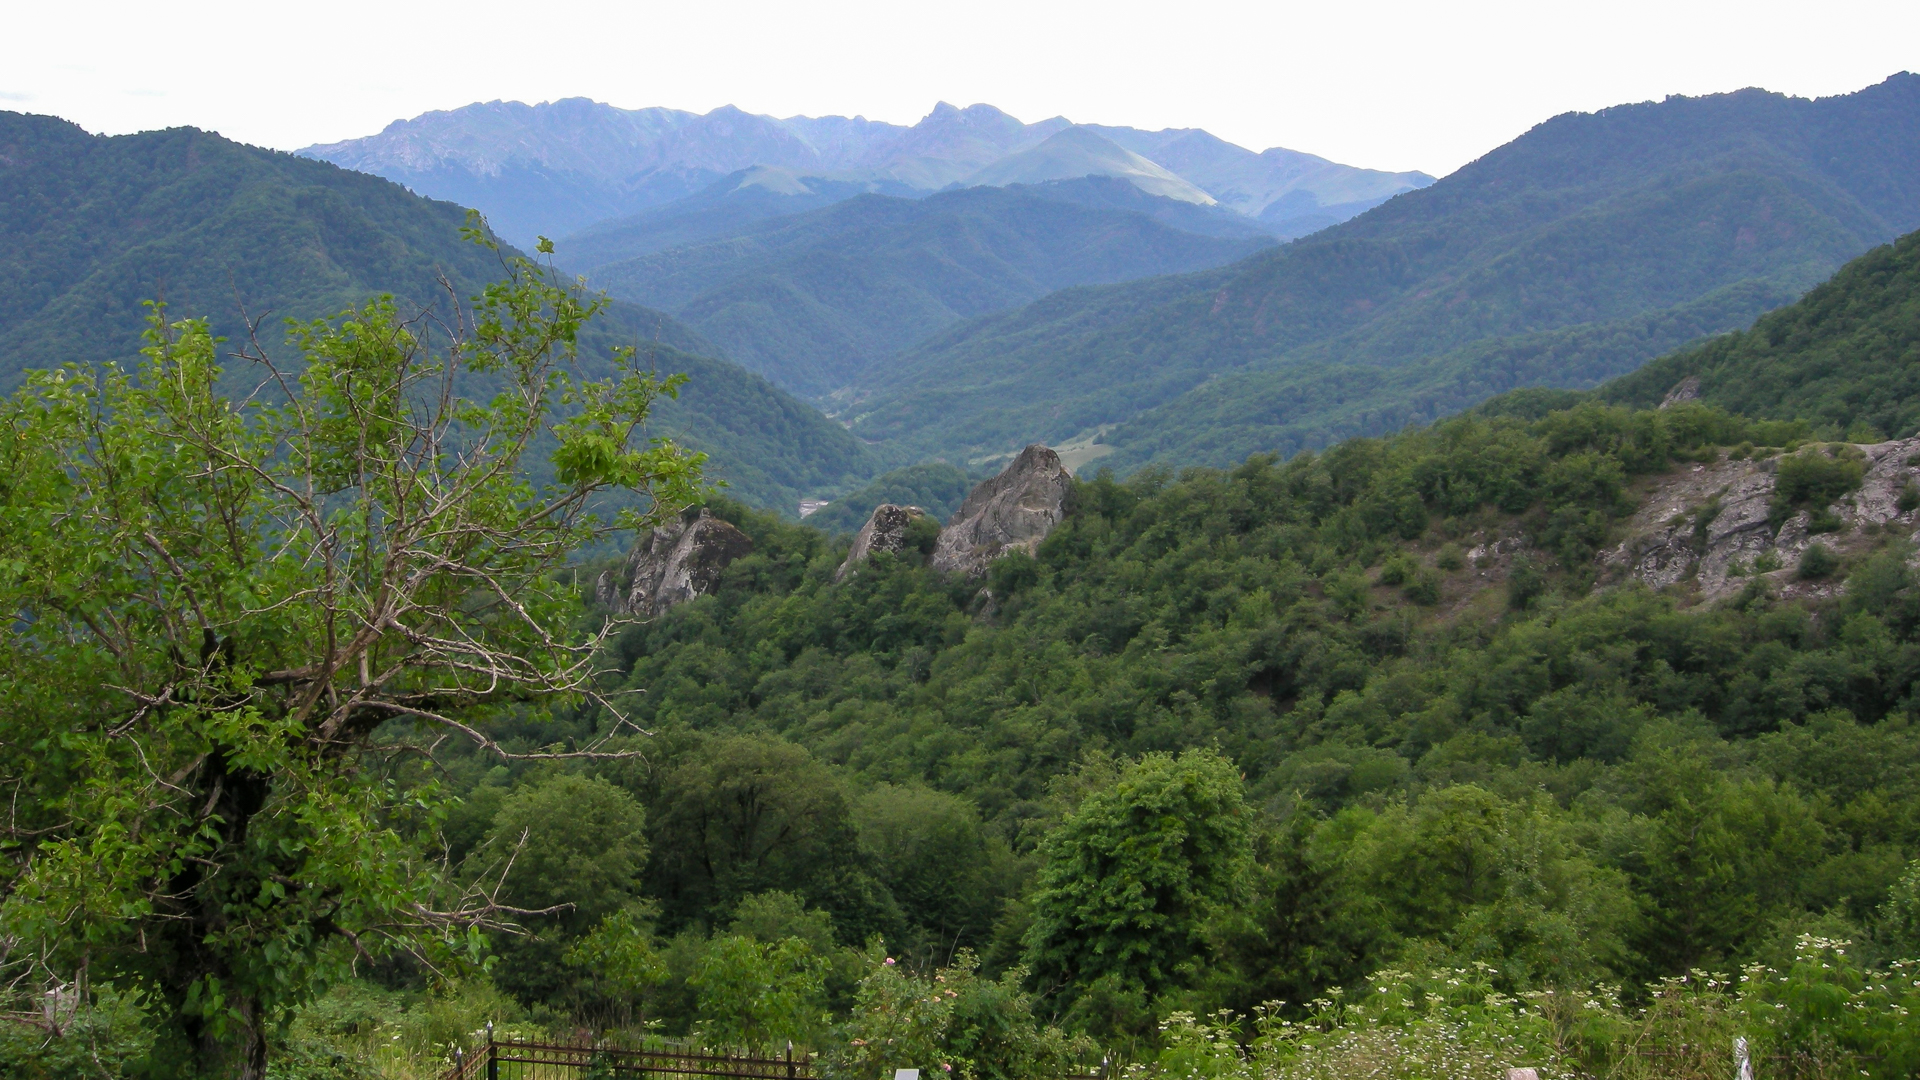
(886,530)
(1014,511)
(1709,524)
(672,564)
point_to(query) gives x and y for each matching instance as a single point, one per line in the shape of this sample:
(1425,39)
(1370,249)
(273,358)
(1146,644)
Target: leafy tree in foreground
(1133,877)
(216,604)
(573,845)
(758,994)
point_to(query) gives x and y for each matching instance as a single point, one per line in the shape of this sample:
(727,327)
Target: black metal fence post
(493,1055)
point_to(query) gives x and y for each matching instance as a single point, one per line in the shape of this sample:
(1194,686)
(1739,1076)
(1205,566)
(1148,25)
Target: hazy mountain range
(559,167)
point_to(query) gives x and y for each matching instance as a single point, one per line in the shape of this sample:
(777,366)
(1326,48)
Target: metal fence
(518,1059)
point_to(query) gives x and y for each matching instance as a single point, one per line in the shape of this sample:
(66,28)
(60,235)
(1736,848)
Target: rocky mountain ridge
(1712,528)
(561,166)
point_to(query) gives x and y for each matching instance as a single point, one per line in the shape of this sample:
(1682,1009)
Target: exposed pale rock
(673,564)
(1687,389)
(1667,543)
(1014,511)
(885,530)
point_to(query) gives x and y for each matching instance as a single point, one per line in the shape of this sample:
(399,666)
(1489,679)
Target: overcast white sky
(1388,85)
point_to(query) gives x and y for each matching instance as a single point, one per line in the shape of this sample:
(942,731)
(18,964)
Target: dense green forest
(1266,734)
(1385,754)
(1351,762)
(1306,404)
(1406,762)
(94,226)
(90,227)
(1618,235)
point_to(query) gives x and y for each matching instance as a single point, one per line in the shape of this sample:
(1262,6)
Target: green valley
(811,300)
(1478,639)
(1618,235)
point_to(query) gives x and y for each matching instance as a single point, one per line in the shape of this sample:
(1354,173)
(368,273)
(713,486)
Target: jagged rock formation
(885,530)
(1710,524)
(673,564)
(1014,511)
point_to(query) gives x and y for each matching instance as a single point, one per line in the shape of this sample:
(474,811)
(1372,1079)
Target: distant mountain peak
(950,143)
(1075,152)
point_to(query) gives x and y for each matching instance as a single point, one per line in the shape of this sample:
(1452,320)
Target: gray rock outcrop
(672,564)
(1709,523)
(1687,389)
(1014,511)
(885,530)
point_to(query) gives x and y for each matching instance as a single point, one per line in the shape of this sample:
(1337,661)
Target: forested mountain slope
(730,204)
(1846,356)
(1570,255)
(92,226)
(1471,726)
(1398,645)
(813,299)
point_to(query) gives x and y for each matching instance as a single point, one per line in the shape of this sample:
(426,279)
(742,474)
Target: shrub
(1817,562)
(1825,1014)
(1398,570)
(1424,589)
(1010,574)
(954,1023)
(1524,583)
(104,1033)
(1812,479)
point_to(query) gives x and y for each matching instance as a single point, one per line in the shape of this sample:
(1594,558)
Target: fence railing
(521,1059)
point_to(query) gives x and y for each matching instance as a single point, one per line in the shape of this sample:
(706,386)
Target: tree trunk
(242,1054)
(233,1044)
